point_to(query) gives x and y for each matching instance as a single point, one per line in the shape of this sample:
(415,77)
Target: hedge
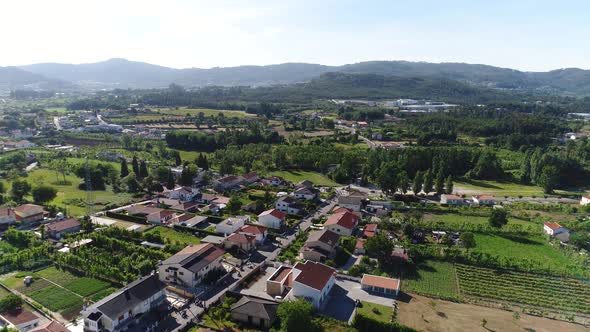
(366,324)
(121,216)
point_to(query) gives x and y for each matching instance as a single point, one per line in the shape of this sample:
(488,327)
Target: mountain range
(121,73)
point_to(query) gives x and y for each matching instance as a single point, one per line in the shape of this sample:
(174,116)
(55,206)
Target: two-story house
(320,246)
(342,223)
(273,218)
(57,229)
(189,266)
(231,225)
(289,205)
(313,282)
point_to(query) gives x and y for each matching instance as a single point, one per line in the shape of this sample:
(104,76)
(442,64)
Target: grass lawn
(3,293)
(206,111)
(192,155)
(521,247)
(502,189)
(431,278)
(455,220)
(173,236)
(69,195)
(376,311)
(296,176)
(58,299)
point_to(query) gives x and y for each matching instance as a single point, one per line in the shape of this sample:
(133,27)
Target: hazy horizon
(523,35)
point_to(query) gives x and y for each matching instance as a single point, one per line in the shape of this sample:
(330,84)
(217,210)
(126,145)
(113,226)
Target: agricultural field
(376,311)
(458,221)
(562,294)
(431,278)
(206,111)
(173,236)
(511,246)
(69,195)
(57,290)
(501,189)
(296,176)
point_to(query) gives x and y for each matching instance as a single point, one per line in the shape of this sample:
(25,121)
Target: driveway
(340,306)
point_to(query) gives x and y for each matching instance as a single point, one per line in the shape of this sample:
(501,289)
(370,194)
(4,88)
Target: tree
(296,316)
(124,168)
(170,182)
(20,188)
(135,165)
(379,246)
(449,184)
(549,178)
(133,185)
(417,184)
(468,240)
(177,159)
(143,171)
(44,193)
(428,182)
(388,179)
(10,302)
(404,182)
(439,183)
(42,230)
(234,205)
(188,173)
(581,240)
(498,218)
(259,206)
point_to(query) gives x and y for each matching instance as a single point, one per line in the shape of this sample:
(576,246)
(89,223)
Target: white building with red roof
(272,218)
(585,200)
(380,285)
(257,231)
(29,213)
(484,199)
(58,228)
(342,223)
(451,199)
(370,230)
(241,241)
(313,282)
(250,178)
(21,319)
(553,228)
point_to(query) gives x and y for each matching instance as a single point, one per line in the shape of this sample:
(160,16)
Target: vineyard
(563,294)
(431,278)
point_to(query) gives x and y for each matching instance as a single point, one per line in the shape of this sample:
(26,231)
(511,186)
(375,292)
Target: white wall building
(231,225)
(313,282)
(188,266)
(272,218)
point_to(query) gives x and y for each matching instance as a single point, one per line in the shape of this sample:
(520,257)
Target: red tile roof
(240,238)
(370,230)
(275,213)
(382,282)
(6,211)
(314,275)
(63,225)
(453,197)
(485,197)
(360,243)
(28,209)
(552,225)
(344,219)
(253,229)
(341,210)
(20,316)
(53,326)
(250,175)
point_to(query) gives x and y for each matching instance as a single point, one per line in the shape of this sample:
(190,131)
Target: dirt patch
(427,314)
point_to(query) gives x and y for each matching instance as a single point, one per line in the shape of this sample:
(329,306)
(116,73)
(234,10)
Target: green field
(431,278)
(296,176)
(536,290)
(59,300)
(502,189)
(173,236)
(458,221)
(534,248)
(376,311)
(206,111)
(70,195)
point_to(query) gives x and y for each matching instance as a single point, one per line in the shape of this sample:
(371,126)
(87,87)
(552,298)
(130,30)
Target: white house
(451,199)
(272,218)
(188,266)
(553,228)
(353,201)
(185,194)
(305,193)
(288,205)
(380,285)
(484,200)
(116,311)
(232,224)
(313,282)
(342,223)
(22,319)
(585,200)
(258,232)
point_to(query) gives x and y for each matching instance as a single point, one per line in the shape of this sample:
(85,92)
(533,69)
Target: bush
(366,324)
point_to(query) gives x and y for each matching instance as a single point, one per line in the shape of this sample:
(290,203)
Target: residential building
(250,178)
(255,311)
(188,220)
(342,223)
(52,326)
(21,319)
(359,248)
(275,181)
(320,246)
(273,218)
(240,241)
(452,199)
(553,228)
(305,193)
(7,216)
(142,210)
(353,201)
(258,232)
(288,205)
(370,230)
(23,144)
(227,183)
(313,282)
(380,285)
(304,184)
(189,266)
(280,282)
(27,213)
(231,225)
(585,200)
(484,200)
(57,229)
(117,311)
(162,217)
(186,206)
(185,194)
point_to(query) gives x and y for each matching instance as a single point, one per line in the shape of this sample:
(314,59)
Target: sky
(526,35)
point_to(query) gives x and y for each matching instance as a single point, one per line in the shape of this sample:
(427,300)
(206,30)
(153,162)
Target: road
(352,131)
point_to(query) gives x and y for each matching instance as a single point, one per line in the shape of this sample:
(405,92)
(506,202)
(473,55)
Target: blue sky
(525,35)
